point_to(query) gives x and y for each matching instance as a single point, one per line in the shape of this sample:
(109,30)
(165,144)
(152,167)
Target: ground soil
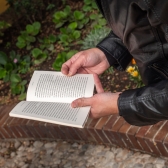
(114,82)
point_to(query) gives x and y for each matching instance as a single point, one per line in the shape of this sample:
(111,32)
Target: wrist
(114,103)
(110,59)
(102,55)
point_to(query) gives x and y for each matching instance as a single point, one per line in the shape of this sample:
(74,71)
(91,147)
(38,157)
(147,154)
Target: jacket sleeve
(116,53)
(148,105)
(156,11)
(145,106)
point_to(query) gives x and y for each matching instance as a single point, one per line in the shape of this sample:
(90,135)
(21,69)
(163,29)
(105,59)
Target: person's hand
(102,104)
(87,62)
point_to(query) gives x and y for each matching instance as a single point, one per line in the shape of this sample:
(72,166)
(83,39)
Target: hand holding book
(92,61)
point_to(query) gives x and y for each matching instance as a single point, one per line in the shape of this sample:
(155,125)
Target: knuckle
(82,57)
(81,102)
(83,54)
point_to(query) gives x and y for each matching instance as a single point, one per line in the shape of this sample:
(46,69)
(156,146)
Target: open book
(49,98)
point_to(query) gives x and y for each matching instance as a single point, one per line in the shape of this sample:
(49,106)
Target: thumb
(98,84)
(82,102)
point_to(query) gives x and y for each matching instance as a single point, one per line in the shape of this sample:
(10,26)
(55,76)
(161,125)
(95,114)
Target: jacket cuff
(110,58)
(129,109)
(116,53)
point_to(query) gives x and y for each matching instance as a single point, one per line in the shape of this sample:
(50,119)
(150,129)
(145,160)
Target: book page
(51,86)
(57,113)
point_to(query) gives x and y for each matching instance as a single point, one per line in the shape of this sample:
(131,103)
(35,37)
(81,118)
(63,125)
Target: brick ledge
(113,130)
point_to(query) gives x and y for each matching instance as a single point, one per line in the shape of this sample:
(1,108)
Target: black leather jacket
(140,30)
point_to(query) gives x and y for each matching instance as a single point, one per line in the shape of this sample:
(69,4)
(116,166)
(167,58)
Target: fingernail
(69,74)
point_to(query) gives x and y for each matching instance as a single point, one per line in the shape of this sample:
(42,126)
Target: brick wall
(113,130)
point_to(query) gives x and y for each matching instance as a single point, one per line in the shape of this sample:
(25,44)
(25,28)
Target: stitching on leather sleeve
(152,8)
(149,97)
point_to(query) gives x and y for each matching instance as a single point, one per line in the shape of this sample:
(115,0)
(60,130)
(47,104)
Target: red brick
(4,134)
(9,131)
(19,132)
(91,129)
(1,134)
(17,122)
(52,131)
(102,122)
(22,132)
(25,128)
(117,125)
(72,133)
(103,136)
(159,138)
(58,130)
(140,137)
(2,108)
(90,137)
(111,121)
(108,126)
(84,133)
(4,126)
(75,134)
(15,132)
(131,135)
(99,129)
(164,134)
(123,133)
(11,124)
(50,135)
(95,135)
(64,129)
(31,126)
(14,122)
(42,130)
(161,134)
(149,137)
(150,134)
(165,142)
(93,123)
(4,115)
(45,130)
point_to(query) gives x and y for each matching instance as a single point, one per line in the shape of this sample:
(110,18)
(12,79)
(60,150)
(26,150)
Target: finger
(66,66)
(81,102)
(73,64)
(65,69)
(76,65)
(98,84)
(82,71)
